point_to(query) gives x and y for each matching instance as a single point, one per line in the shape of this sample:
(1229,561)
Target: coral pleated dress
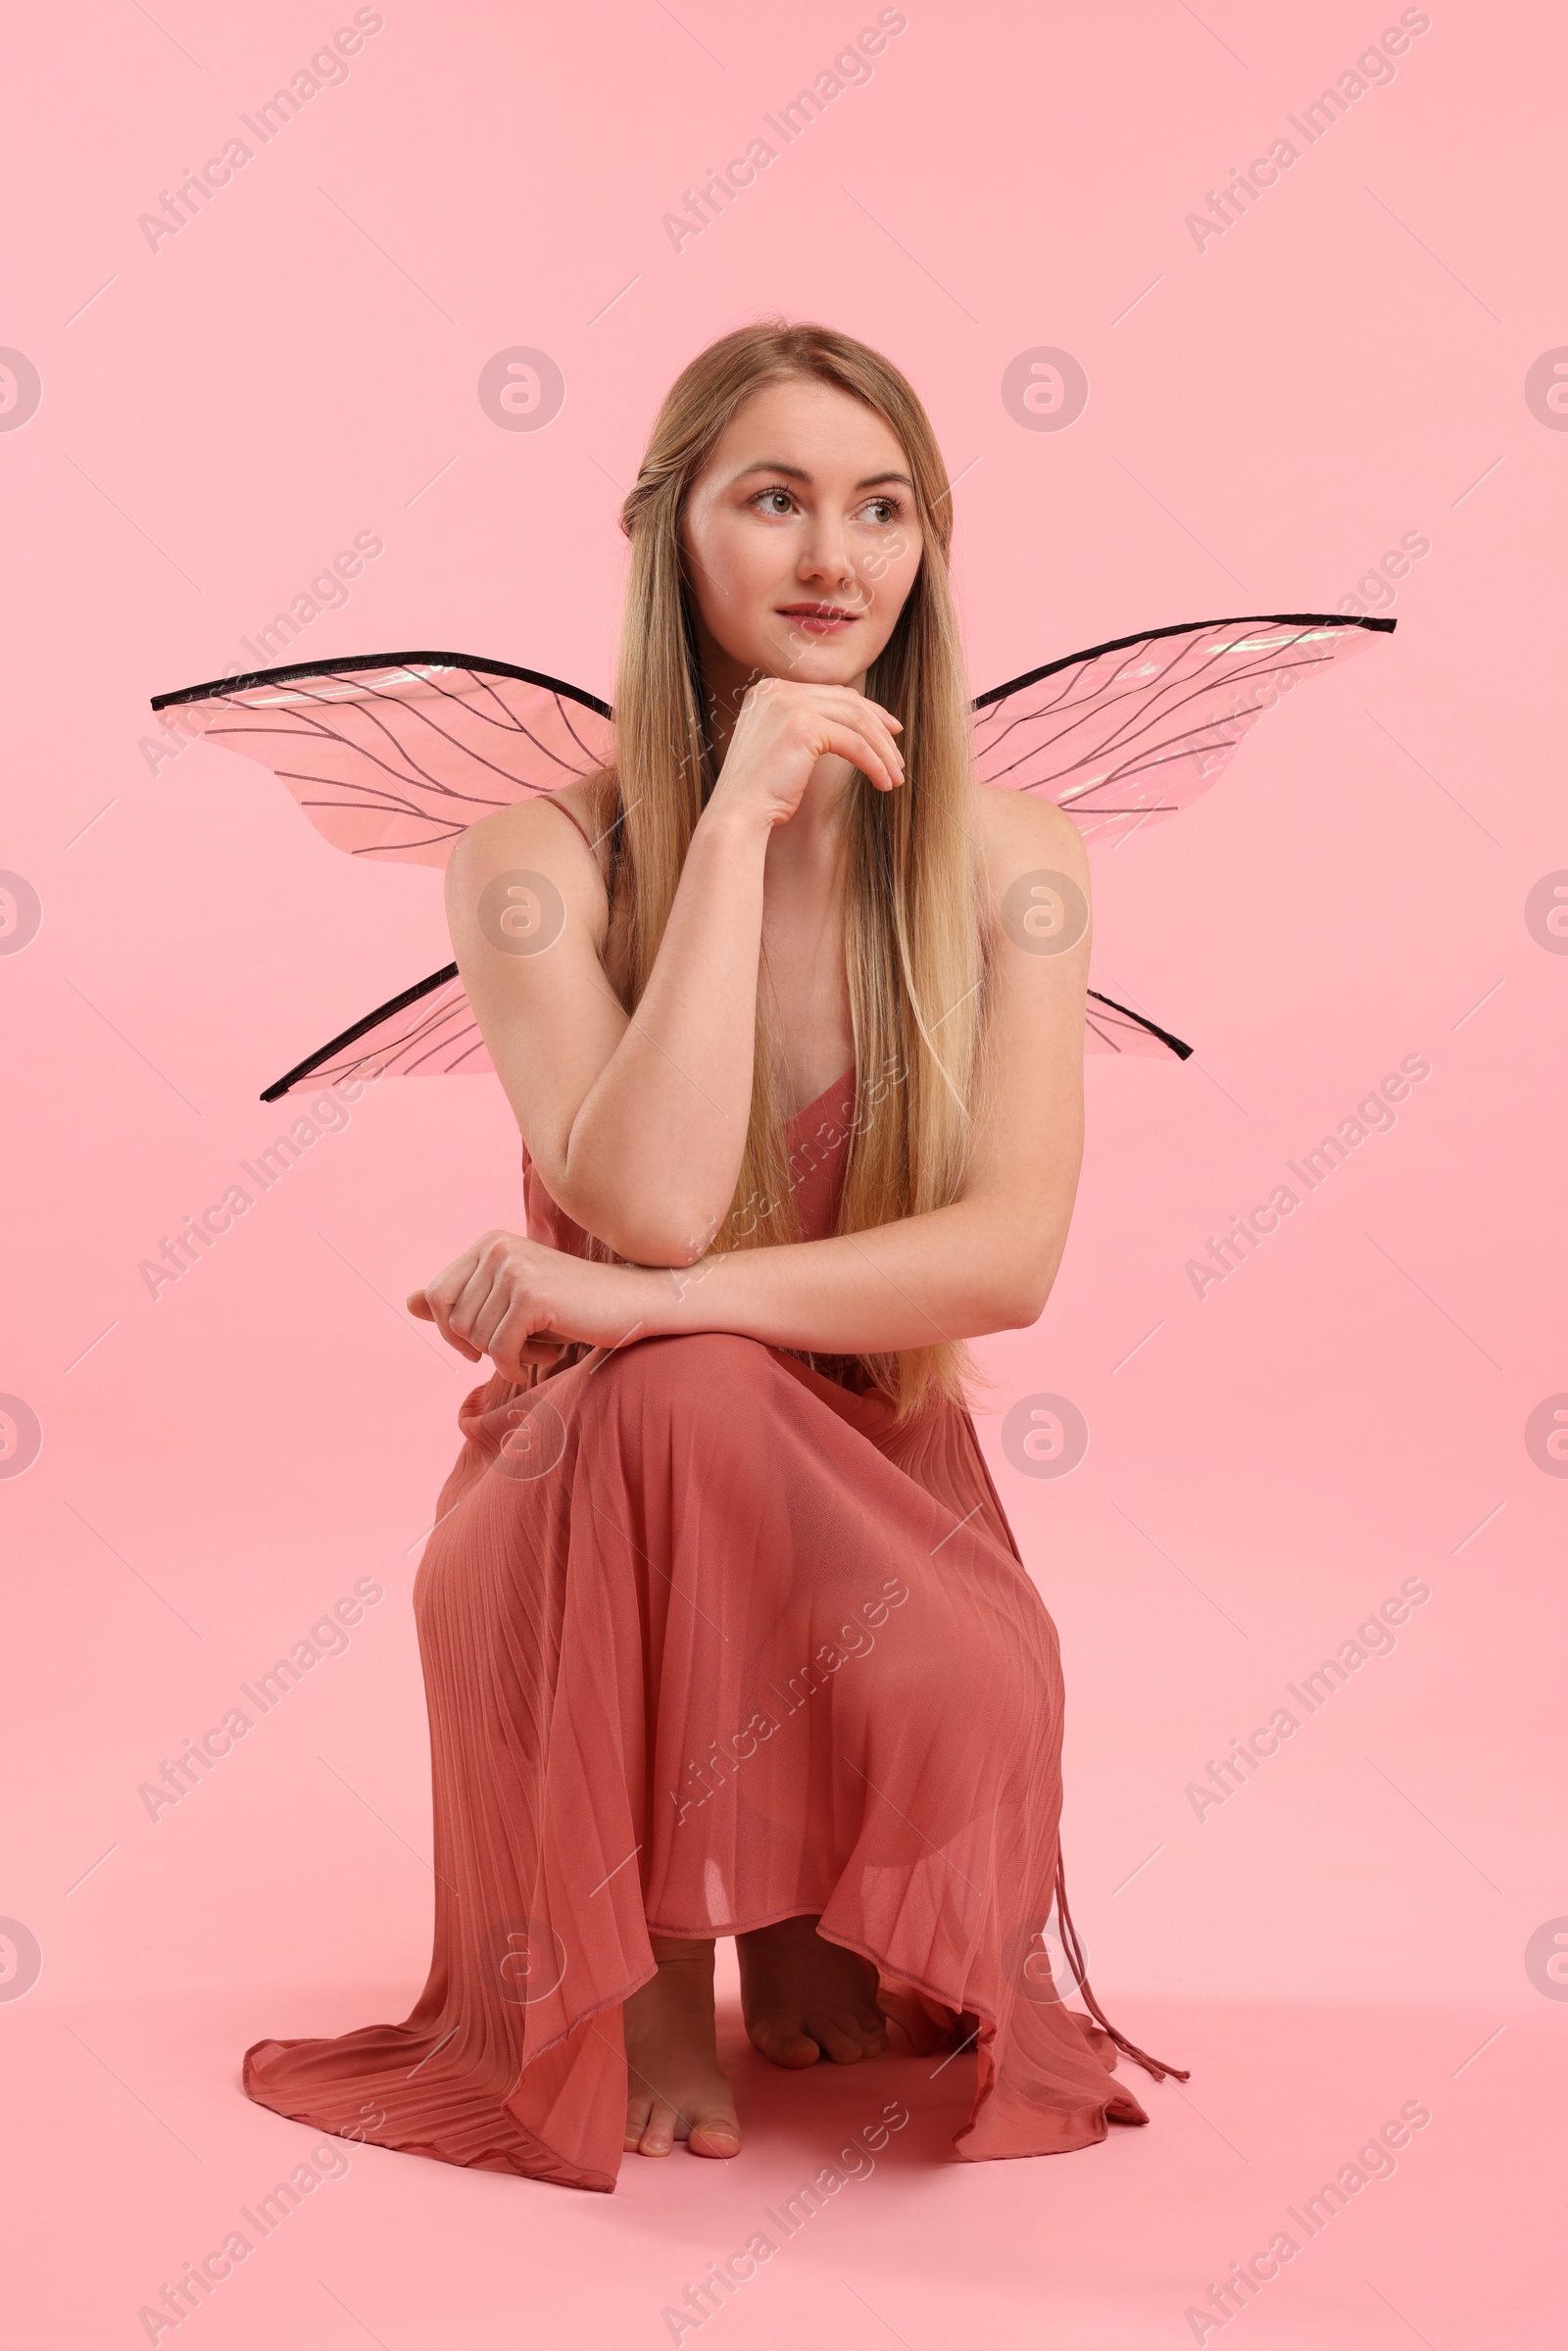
(707,1642)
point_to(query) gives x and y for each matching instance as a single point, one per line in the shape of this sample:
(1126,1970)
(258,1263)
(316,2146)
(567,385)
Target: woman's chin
(812,660)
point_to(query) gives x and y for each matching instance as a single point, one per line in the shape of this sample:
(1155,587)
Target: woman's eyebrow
(774,465)
(770,465)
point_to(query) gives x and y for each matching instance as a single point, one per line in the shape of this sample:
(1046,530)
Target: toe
(717,2134)
(784,2043)
(638,2108)
(658,2131)
(837,2038)
(868,2025)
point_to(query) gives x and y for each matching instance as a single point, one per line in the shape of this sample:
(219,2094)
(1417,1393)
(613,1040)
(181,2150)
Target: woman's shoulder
(1012,825)
(558,831)
(554,839)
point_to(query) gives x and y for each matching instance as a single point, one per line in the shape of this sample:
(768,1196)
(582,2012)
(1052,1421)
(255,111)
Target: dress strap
(567,812)
(1073,1949)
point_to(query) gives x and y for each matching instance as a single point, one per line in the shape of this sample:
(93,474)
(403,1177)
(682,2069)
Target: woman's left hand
(520,1303)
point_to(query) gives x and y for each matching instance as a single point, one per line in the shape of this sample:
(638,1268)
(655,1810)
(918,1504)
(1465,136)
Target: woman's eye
(774,502)
(883,509)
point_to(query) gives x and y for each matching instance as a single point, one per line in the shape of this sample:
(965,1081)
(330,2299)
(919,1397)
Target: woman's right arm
(637,1126)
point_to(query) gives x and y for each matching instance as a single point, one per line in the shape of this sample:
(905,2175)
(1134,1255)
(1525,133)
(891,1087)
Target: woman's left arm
(984,1263)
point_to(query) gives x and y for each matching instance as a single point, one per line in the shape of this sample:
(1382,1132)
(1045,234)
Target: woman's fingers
(427,1305)
(885,768)
(882,743)
(513,1342)
(846,698)
(462,1344)
(441,1300)
(786,726)
(782,703)
(891,724)
(872,725)
(486,1304)
(495,1295)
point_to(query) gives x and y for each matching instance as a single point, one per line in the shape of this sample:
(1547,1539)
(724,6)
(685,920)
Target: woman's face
(801,539)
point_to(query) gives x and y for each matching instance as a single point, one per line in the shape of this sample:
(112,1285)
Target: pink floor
(128,2140)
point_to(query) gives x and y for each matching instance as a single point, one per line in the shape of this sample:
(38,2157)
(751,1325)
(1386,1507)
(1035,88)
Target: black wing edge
(448,971)
(410,996)
(1184,1051)
(1181,628)
(381,660)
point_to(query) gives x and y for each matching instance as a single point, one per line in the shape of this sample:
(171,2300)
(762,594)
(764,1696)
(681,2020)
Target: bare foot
(804,1998)
(926,2025)
(676,2088)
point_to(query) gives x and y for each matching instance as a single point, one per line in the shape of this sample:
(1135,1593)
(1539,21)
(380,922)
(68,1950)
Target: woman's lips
(818,619)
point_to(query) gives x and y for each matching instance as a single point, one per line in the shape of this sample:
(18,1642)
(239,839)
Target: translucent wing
(1133,731)
(429,1031)
(395,755)
(1109,1028)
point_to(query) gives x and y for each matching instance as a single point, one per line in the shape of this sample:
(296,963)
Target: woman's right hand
(784,727)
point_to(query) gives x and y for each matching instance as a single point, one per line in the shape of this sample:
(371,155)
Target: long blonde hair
(916,954)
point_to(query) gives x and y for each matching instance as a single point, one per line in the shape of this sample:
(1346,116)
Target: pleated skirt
(707,1642)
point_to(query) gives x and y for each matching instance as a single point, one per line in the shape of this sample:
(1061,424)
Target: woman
(724,1628)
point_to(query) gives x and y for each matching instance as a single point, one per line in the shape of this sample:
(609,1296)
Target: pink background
(1344,364)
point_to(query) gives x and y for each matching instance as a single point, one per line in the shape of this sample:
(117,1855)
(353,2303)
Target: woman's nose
(826,553)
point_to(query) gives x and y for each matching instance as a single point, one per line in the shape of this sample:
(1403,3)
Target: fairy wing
(1132,732)
(395,755)
(429,1031)
(1110,1028)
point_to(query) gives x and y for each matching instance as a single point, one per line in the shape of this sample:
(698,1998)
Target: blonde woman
(724,1630)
